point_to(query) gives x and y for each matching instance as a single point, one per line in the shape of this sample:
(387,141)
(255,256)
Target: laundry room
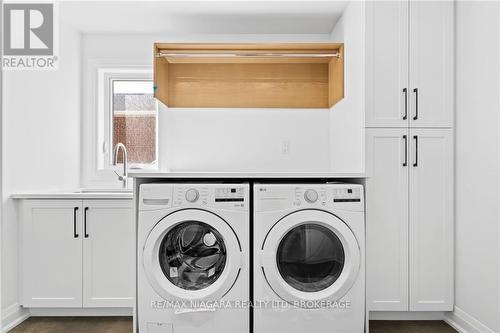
(250,166)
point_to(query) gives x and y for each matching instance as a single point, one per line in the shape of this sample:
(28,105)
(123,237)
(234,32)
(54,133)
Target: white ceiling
(198,17)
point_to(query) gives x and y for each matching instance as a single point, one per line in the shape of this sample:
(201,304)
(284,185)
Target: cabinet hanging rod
(248,55)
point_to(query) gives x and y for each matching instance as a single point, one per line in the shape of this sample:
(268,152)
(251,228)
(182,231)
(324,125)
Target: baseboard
(465,323)
(12,316)
(403,315)
(76,312)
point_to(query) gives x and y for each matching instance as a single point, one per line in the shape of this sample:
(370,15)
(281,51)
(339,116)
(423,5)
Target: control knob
(311,196)
(192,195)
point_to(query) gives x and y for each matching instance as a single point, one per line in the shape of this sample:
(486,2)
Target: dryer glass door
(310,258)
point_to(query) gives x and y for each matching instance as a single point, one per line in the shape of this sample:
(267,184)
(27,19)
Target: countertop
(77,194)
(128,194)
(244,175)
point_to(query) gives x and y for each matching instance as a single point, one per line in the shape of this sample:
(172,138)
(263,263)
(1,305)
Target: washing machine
(192,258)
(309,269)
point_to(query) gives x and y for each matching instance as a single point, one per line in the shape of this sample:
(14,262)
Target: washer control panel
(213,195)
(229,194)
(192,195)
(189,195)
(311,196)
(224,196)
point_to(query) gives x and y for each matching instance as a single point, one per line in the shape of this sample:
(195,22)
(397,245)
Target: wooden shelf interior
(304,75)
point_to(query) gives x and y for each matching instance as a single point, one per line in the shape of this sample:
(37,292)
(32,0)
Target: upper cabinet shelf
(291,75)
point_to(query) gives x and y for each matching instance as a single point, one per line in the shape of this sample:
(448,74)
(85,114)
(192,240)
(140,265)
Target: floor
(124,325)
(75,325)
(435,326)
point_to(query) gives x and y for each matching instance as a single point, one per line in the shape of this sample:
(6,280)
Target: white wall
(347,118)
(1,167)
(41,145)
(220,149)
(477,163)
(230,143)
(274,140)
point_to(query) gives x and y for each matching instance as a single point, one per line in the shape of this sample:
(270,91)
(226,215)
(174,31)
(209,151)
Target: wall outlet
(285,147)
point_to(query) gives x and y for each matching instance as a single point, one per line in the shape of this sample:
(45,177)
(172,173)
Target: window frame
(109,77)
(93,174)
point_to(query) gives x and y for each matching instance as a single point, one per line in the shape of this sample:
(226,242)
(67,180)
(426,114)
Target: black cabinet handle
(416,103)
(416,150)
(85,234)
(405,91)
(405,163)
(75,233)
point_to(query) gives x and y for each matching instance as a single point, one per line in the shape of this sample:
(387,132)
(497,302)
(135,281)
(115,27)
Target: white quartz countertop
(245,175)
(77,194)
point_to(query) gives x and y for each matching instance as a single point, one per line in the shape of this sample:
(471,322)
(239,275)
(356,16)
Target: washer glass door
(192,254)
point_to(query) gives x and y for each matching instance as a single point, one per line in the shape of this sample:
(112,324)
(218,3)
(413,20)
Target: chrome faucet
(123,177)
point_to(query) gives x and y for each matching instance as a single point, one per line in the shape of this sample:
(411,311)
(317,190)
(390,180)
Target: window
(127,114)
(134,117)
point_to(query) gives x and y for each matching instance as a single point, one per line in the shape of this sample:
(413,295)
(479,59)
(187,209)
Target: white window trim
(96,127)
(105,95)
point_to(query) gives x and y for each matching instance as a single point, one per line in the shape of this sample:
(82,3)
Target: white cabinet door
(51,253)
(387,219)
(386,63)
(108,253)
(431,220)
(431,63)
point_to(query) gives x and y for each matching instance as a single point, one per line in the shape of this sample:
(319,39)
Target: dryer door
(192,254)
(310,258)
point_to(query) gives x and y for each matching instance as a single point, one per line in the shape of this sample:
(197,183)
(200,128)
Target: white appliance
(192,258)
(309,270)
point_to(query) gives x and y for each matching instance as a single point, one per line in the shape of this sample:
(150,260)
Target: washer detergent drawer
(160,328)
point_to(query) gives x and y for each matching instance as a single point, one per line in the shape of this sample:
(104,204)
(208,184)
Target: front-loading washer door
(310,258)
(192,254)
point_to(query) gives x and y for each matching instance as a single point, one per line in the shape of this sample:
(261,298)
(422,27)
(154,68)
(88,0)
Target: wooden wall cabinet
(293,75)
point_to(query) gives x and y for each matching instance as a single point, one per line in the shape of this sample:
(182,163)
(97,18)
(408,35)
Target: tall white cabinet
(77,253)
(410,63)
(409,147)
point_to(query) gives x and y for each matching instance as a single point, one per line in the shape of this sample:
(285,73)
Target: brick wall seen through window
(134,119)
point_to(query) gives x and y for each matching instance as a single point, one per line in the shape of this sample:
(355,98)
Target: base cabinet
(77,253)
(409,219)
(51,252)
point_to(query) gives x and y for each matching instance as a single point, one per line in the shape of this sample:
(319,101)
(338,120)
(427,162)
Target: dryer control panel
(269,197)
(347,194)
